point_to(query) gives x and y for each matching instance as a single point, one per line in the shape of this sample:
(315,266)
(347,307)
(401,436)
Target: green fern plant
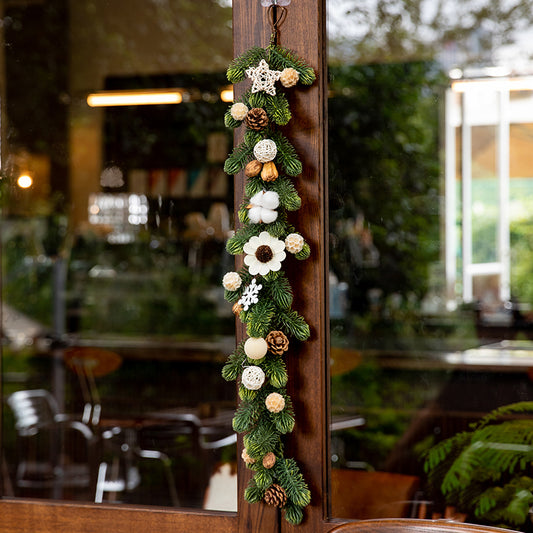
(487,471)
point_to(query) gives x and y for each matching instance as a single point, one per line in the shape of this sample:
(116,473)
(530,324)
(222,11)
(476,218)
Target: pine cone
(237,308)
(257,119)
(277,342)
(276,495)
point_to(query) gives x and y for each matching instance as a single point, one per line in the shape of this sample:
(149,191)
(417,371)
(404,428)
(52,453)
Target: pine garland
(261,293)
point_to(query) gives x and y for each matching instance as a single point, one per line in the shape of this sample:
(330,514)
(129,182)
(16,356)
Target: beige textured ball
(253,377)
(294,243)
(239,111)
(246,458)
(255,347)
(275,402)
(289,77)
(231,281)
(265,150)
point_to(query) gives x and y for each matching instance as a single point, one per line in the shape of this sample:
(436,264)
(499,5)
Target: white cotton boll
(270,200)
(254,214)
(268,215)
(256,198)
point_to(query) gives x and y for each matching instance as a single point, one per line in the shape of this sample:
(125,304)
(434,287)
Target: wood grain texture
(44,517)
(406,525)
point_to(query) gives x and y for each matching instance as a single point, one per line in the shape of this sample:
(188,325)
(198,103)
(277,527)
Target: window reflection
(113,228)
(430,310)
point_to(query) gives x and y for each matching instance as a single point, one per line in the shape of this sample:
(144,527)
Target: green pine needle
(286,155)
(276,370)
(258,99)
(288,195)
(233,367)
(238,158)
(247,395)
(280,58)
(295,324)
(293,514)
(253,494)
(291,479)
(237,68)
(262,439)
(229,121)
(284,421)
(247,416)
(263,479)
(304,253)
(277,108)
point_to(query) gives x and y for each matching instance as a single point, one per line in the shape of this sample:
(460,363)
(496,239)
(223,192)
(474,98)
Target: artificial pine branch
(233,366)
(277,108)
(262,439)
(270,309)
(292,481)
(276,371)
(281,58)
(237,68)
(238,158)
(286,155)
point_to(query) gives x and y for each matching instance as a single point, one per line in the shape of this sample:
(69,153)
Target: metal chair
(42,432)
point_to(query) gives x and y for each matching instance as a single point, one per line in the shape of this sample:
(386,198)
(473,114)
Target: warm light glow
(24,181)
(151,97)
(226,95)
(507,84)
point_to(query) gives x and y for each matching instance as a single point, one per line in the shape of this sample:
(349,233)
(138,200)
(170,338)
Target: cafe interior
(115,210)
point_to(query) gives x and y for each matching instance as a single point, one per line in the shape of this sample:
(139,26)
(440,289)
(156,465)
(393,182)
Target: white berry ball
(253,377)
(275,402)
(265,150)
(231,281)
(294,243)
(239,111)
(255,347)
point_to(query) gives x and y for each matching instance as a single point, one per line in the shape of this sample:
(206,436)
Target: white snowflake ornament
(253,377)
(263,79)
(262,207)
(250,295)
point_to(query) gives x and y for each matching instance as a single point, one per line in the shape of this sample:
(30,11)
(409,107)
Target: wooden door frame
(304,32)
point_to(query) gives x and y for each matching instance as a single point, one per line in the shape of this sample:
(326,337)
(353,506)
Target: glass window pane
(114,220)
(430,237)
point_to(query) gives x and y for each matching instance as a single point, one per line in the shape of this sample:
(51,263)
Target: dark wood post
(304,32)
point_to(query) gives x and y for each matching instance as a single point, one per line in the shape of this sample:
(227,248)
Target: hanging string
(276,16)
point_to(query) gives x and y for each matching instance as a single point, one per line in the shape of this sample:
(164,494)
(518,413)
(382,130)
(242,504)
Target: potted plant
(487,471)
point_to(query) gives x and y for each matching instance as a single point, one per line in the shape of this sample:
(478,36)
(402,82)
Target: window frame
(303,31)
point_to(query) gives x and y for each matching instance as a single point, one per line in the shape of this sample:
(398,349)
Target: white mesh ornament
(253,378)
(265,150)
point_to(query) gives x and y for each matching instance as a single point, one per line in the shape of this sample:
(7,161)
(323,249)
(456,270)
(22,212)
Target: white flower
(231,281)
(250,295)
(264,254)
(263,206)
